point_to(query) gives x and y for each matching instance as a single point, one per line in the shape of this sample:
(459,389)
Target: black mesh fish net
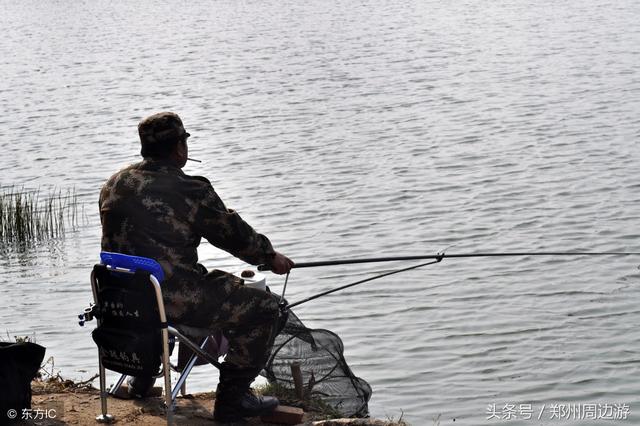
(325,372)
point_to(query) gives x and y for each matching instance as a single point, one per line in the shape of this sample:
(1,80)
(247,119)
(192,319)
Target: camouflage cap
(160,129)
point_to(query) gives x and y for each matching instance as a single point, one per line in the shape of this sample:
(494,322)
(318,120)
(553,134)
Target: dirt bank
(68,403)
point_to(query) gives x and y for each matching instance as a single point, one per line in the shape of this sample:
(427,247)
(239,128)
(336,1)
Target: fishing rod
(446,255)
(435,258)
(324,293)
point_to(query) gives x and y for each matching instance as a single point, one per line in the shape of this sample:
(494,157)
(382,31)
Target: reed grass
(29,216)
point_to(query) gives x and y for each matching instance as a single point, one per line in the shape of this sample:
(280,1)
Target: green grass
(29,216)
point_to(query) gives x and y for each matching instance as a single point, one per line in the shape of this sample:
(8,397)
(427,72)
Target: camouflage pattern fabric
(153,209)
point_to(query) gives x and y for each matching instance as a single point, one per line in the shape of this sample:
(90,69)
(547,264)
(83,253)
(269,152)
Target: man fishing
(153,209)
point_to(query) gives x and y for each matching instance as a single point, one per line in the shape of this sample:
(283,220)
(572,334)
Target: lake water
(346,129)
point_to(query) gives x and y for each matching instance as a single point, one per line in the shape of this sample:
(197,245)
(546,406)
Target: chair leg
(104,417)
(117,385)
(167,376)
(182,380)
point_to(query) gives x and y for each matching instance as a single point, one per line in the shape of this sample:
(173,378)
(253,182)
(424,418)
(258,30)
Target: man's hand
(281,264)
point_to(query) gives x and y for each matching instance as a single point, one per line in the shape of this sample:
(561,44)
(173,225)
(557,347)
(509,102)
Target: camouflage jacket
(153,209)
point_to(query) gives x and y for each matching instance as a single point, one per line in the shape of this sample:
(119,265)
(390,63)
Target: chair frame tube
(187,369)
(165,349)
(104,417)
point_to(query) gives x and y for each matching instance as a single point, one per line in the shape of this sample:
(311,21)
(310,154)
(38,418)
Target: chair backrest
(129,312)
(132,263)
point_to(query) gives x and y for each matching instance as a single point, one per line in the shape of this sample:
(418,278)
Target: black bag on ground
(19,364)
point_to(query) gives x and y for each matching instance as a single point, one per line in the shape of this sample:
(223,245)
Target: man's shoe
(247,405)
(140,386)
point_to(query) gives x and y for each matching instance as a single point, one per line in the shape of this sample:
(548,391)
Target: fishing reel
(87,315)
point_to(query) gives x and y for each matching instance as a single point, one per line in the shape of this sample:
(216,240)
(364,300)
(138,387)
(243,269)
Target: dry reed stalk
(26,217)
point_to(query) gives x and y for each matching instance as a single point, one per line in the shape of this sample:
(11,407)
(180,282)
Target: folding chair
(133,333)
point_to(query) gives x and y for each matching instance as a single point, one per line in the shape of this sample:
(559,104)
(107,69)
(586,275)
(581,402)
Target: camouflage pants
(220,301)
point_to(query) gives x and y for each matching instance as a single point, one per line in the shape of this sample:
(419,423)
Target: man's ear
(180,153)
(182,147)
